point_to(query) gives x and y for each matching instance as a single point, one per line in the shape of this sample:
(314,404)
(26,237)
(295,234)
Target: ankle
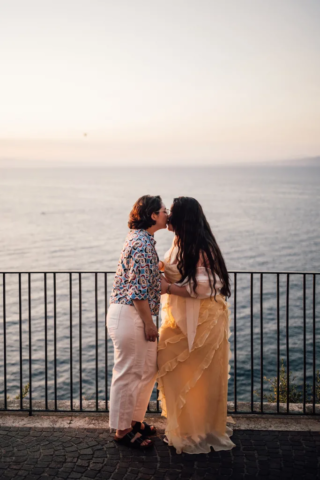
(121,433)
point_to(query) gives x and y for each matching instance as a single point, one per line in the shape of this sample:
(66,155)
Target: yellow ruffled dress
(193,382)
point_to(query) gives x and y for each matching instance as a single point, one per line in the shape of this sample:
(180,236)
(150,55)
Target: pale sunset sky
(159,82)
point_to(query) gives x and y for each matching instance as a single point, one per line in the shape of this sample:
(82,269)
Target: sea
(74,219)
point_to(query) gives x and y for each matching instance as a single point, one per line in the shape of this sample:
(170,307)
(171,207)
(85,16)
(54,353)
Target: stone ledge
(84,419)
(242,407)
(101,421)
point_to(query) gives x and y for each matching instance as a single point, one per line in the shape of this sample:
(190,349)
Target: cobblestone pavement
(59,453)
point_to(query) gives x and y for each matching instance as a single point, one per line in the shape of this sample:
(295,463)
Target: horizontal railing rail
(57,356)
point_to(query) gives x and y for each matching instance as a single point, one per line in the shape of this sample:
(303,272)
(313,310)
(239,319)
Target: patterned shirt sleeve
(138,276)
(138,273)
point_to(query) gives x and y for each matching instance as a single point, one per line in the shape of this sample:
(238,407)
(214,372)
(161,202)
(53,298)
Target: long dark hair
(140,215)
(195,240)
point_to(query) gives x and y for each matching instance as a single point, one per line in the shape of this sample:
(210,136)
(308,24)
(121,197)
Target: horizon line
(10,163)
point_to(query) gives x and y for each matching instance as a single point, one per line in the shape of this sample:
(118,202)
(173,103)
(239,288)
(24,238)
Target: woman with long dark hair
(193,350)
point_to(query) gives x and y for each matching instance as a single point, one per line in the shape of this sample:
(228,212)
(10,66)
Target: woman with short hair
(134,300)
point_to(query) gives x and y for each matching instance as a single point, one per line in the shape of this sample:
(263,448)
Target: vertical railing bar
(278,342)
(106,339)
(30,344)
(251,325)
(55,340)
(314,343)
(158,403)
(235,342)
(304,345)
(4,341)
(80,341)
(46,342)
(97,338)
(287,337)
(20,342)
(261,341)
(149,409)
(71,337)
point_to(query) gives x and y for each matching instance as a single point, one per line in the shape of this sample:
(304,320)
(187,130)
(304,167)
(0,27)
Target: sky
(159,82)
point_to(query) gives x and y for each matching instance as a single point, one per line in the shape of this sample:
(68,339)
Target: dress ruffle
(199,341)
(211,315)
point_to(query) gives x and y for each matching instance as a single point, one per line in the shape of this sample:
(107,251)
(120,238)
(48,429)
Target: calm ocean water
(63,219)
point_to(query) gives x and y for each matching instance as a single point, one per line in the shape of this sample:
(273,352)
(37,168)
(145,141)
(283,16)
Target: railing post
(278,343)
(4,342)
(55,341)
(30,345)
(71,338)
(235,342)
(304,346)
(97,339)
(261,341)
(251,325)
(287,338)
(20,343)
(106,338)
(46,341)
(314,342)
(80,341)
(158,403)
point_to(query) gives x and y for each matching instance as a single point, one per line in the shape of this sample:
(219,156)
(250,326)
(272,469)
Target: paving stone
(174,475)
(86,451)
(148,471)
(64,474)
(134,471)
(37,471)
(115,475)
(79,469)
(100,454)
(96,466)
(91,473)
(130,476)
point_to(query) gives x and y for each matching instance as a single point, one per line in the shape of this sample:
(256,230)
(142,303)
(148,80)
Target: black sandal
(147,431)
(127,441)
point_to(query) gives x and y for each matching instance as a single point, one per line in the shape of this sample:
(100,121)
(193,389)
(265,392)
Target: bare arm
(180,291)
(164,285)
(143,309)
(174,289)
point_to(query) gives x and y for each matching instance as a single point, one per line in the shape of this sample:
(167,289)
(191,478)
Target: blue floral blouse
(138,276)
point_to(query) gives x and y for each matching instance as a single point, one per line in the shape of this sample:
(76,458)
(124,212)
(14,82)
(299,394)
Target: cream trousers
(135,367)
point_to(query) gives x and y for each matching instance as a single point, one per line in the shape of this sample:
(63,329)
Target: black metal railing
(57,355)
